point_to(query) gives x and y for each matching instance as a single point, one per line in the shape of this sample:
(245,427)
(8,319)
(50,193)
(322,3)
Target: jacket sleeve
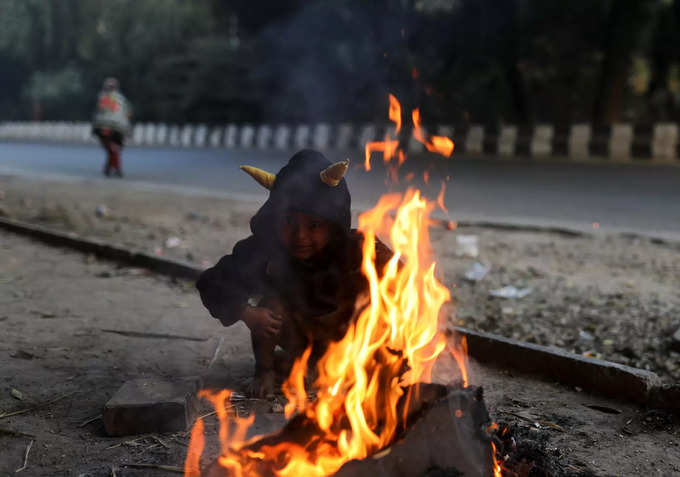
(226,287)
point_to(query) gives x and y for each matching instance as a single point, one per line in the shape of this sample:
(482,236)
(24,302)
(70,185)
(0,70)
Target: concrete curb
(566,232)
(598,376)
(159,265)
(594,375)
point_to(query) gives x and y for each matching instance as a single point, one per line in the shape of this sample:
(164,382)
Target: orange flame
(389,147)
(440,198)
(460,354)
(439,144)
(394,112)
(192,462)
(497,469)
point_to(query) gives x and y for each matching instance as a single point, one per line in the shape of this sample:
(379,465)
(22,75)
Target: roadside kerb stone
(594,375)
(160,265)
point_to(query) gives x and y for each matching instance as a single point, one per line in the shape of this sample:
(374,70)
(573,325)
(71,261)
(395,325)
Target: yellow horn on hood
(333,174)
(264,178)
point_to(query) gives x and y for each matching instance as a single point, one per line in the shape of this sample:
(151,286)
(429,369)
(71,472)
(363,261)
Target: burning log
(444,428)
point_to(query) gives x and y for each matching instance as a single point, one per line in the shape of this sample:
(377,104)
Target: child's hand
(262,321)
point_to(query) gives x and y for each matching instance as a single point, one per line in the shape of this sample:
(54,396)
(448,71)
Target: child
(296,279)
(112,124)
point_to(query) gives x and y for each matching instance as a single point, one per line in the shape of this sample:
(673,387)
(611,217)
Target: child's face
(304,235)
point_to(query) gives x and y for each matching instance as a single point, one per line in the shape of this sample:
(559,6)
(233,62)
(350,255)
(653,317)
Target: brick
(152,405)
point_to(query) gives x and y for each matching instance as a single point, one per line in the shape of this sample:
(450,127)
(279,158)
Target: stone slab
(152,405)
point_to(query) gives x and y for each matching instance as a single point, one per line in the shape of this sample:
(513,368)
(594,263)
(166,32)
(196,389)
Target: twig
(12,432)
(140,334)
(534,421)
(158,439)
(37,406)
(209,414)
(113,471)
(92,419)
(519,416)
(130,442)
(169,468)
(28,449)
(216,353)
(557,427)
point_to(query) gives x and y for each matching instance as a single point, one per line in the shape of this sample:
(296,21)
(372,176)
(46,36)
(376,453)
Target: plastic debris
(467,246)
(585,336)
(476,272)
(510,292)
(172,242)
(101,211)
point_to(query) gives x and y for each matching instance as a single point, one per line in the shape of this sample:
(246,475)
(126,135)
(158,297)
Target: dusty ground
(612,297)
(56,302)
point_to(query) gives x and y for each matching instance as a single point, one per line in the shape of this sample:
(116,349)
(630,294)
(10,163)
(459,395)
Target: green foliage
(487,61)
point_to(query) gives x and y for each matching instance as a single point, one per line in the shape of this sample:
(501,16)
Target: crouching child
(295,281)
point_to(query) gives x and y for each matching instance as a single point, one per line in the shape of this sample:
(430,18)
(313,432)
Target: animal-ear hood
(309,183)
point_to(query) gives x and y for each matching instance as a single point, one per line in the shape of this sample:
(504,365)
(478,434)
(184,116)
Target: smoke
(333,61)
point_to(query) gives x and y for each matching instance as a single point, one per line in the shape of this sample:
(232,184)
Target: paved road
(635,198)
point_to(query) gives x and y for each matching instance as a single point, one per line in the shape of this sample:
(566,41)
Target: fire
(192,462)
(390,147)
(440,198)
(393,342)
(391,345)
(439,144)
(460,354)
(497,469)
(394,113)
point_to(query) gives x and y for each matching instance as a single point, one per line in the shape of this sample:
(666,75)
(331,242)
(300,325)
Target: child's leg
(293,343)
(265,377)
(263,349)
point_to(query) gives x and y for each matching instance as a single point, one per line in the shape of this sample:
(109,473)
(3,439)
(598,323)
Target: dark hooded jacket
(320,294)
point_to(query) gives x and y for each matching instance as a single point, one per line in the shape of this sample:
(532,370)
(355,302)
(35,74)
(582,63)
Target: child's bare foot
(263,384)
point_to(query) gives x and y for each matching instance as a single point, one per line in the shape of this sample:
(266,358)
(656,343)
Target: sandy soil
(56,302)
(609,296)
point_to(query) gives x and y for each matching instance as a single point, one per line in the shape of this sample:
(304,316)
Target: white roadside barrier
(621,142)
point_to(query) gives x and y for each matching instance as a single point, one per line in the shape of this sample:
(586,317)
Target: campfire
(373,402)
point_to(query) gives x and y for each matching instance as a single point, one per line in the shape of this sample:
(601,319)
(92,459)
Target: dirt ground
(55,304)
(608,296)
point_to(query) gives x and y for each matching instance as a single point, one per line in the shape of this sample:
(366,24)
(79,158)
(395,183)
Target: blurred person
(111,124)
(295,281)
